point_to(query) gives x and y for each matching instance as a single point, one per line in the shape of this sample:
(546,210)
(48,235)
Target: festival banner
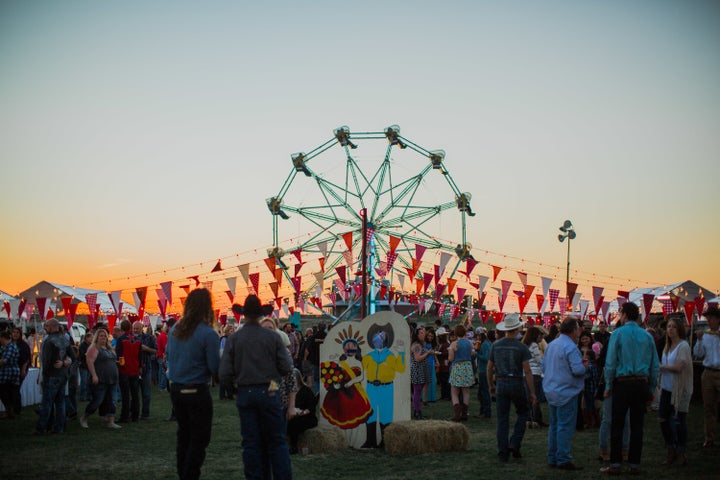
(496,272)
(348,239)
(554,295)
(394,242)
(571,288)
(271,264)
(481,299)
(255,281)
(298,254)
(540,300)
(460,294)
(41,303)
(470,264)
(700,305)
(597,298)
(167,290)
(451,285)
(427,279)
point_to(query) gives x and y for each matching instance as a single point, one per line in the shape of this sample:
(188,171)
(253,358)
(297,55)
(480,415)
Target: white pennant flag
(401,279)
(482,283)
(584,308)
(115,300)
(322,246)
(245,272)
(319,278)
(576,299)
(231,284)
(444,260)
(286,309)
(546,282)
(136,300)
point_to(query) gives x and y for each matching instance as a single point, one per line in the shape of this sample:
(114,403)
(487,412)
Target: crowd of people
(589,380)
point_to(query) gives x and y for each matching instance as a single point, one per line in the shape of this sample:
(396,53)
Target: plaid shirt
(9,370)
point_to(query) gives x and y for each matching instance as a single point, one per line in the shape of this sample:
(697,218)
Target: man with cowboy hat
(509,361)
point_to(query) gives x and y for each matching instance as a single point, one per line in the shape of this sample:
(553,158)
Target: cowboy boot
(457,413)
(463,412)
(371,437)
(671,456)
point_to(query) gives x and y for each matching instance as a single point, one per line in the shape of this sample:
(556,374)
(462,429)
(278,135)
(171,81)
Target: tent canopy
(55,291)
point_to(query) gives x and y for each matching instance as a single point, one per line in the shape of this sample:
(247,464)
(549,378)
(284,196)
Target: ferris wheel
(399,188)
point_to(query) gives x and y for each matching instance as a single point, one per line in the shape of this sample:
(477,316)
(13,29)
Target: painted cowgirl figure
(380,366)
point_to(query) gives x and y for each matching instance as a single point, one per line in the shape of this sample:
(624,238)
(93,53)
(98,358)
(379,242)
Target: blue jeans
(484,395)
(101,398)
(130,393)
(561,431)
(194,411)
(628,396)
(84,384)
(53,395)
(146,392)
(507,391)
(162,377)
(604,432)
(265,451)
(673,424)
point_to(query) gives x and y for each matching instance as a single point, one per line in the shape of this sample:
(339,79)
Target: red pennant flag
(427,278)
(235,314)
(383,291)
(648,298)
(418,285)
(623,293)
(484,316)
(571,289)
(415,266)
(185,288)
(419,252)
(563,305)
(451,285)
(111,318)
(597,298)
(498,317)
(278,302)
(6,306)
(441,309)
(296,281)
(675,302)
(298,254)
(496,272)
(223,318)
(271,265)
(196,278)
(291,310)
(470,266)
(461,294)
(700,305)
(142,294)
(167,290)
(394,242)
(216,268)
(689,308)
(279,276)
(274,288)
(230,295)
(321,260)
(255,281)
(411,273)
(348,238)
(342,273)
(667,307)
(554,295)
(41,303)
(481,299)
(298,267)
(540,299)
(162,305)
(436,276)
(523,278)
(439,291)
(21,307)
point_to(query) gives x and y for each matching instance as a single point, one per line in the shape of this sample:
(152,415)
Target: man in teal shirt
(631,371)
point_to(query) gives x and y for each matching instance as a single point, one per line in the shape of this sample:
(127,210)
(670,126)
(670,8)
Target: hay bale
(322,439)
(427,436)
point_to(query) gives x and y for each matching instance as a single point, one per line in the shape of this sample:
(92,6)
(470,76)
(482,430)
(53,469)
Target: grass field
(146,450)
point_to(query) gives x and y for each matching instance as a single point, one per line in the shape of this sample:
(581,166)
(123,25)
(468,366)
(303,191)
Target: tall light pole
(569,233)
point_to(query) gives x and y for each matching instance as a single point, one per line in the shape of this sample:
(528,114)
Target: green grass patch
(146,450)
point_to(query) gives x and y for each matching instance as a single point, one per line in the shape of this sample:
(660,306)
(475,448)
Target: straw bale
(322,439)
(427,436)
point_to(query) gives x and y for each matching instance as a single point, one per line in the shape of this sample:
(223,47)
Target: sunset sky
(143,137)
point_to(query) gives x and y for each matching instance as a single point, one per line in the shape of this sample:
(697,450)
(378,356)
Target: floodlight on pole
(569,233)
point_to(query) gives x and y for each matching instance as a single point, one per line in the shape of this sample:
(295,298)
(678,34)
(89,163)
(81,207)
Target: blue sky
(138,136)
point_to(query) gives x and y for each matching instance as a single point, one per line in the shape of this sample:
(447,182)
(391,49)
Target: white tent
(55,291)
(5,297)
(687,291)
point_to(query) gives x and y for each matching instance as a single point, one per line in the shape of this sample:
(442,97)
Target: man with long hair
(255,360)
(193,356)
